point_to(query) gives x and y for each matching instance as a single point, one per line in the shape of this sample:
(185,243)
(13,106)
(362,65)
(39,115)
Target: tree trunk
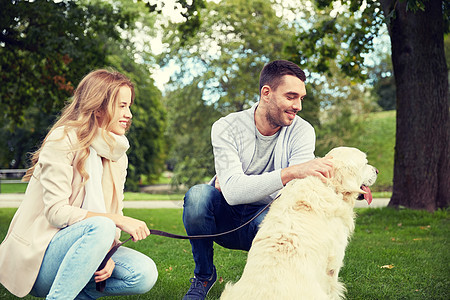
(421,167)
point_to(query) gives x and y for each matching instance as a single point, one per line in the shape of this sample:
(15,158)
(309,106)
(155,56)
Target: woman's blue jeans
(73,256)
(207,212)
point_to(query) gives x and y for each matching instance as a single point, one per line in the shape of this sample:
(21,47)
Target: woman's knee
(147,275)
(137,270)
(103,228)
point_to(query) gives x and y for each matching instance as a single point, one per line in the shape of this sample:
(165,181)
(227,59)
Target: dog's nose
(376,170)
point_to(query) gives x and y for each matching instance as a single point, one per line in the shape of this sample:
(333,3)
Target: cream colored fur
(300,246)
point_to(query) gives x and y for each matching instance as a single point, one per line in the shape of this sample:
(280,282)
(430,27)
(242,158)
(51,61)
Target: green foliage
(148,147)
(219,74)
(373,134)
(244,36)
(414,242)
(46,47)
(447,49)
(381,77)
(45,50)
(189,135)
(342,38)
(191,13)
(385,92)
(193,18)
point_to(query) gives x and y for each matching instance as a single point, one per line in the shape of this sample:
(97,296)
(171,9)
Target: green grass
(152,197)
(415,242)
(378,141)
(382,194)
(8,188)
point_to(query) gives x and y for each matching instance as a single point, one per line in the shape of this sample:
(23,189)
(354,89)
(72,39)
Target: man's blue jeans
(75,252)
(207,212)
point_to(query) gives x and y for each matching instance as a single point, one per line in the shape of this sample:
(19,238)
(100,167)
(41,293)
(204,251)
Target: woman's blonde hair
(96,93)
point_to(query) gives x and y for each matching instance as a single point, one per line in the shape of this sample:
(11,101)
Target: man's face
(285,101)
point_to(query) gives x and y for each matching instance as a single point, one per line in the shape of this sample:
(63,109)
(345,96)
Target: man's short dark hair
(272,73)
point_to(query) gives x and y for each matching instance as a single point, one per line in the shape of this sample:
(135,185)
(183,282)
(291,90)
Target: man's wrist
(286,175)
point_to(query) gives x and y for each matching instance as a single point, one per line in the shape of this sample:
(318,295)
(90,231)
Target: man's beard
(274,119)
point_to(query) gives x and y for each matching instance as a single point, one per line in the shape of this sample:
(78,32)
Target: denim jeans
(74,254)
(207,212)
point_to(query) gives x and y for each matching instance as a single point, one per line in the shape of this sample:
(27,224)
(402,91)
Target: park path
(13,200)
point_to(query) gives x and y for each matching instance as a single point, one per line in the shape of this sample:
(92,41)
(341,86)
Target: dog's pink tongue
(368,194)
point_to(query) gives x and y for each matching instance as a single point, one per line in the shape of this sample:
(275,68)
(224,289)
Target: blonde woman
(72,212)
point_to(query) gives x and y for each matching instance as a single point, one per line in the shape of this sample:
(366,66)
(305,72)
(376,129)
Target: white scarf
(94,199)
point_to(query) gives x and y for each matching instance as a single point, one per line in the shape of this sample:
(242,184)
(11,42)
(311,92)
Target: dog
(300,246)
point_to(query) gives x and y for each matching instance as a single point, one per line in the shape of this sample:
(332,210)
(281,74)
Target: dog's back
(291,255)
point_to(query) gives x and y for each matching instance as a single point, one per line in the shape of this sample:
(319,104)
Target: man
(256,152)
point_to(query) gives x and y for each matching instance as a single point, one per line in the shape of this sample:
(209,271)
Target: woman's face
(122,116)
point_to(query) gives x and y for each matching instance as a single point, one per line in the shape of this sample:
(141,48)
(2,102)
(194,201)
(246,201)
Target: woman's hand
(136,228)
(106,272)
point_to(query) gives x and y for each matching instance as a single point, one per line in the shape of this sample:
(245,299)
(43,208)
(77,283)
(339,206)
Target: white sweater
(233,139)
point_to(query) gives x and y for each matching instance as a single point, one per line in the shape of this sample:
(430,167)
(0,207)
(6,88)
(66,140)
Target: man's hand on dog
(319,167)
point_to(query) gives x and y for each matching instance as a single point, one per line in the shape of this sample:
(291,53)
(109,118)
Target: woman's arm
(136,228)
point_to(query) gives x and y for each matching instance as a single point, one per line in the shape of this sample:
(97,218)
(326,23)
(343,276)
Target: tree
(45,50)
(422,156)
(46,46)
(148,150)
(189,135)
(416,29)
(220,68)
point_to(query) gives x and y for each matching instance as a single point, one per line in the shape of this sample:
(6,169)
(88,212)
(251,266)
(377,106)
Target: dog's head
(352,173)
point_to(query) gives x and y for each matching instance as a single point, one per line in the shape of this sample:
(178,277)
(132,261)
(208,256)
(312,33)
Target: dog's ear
(346,178)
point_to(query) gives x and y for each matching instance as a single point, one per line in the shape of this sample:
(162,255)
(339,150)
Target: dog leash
(100,286)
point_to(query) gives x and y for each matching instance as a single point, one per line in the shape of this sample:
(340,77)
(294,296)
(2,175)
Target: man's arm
(229,141)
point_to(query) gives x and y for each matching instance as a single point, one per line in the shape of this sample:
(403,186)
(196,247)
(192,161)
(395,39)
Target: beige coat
(52,201)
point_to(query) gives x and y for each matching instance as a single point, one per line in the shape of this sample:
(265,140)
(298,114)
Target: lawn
(378,142)
(394,254)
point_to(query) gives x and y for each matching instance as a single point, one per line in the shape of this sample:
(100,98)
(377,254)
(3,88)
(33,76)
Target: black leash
(100,286)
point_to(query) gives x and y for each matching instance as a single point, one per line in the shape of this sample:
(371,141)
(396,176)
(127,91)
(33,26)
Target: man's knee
(198,203)
(199,197)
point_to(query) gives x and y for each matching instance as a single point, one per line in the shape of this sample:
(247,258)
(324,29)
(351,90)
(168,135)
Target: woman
(72,212)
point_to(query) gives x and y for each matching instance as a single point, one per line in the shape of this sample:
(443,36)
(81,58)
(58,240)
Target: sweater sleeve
(236,186)
(56,174)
